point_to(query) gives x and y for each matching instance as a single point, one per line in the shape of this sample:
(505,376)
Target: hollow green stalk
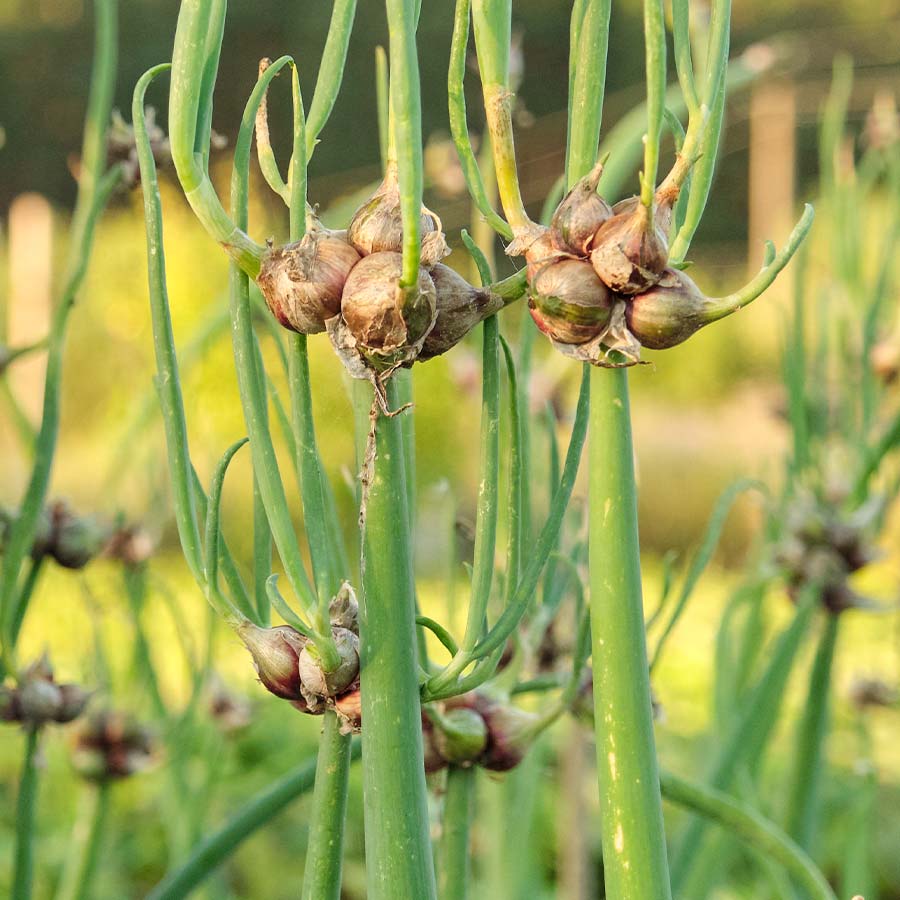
(331,71)
(633,837)
(77,878)
(750,728)
(587,67)
(655,69)
(398,851)
(194,56)
(322,874)
(747,824)
(458,126)
(488,489)
(493,34)
(809,749)
(406,105)
(459,802)
(217,846)
(684,60)
(26,807)
(167,377)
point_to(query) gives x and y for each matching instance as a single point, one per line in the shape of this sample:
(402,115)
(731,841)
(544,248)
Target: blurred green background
(705,412)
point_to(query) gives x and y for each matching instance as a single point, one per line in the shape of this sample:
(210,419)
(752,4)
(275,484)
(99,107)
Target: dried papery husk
(579,215)
(302,282)
(568,301)
(388,324)
(629,252)
(669,312)
(613,348)
(459,306)
(349,711)
(377,226)
(526,238)
(541,253)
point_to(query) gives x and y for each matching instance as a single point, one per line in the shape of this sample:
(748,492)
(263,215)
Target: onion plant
(603,282)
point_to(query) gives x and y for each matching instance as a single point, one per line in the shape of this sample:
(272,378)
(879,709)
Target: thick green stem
(26,807)
(398,849)
(634,845)
(87,837)
(747,824)
(810,742)
(459,802)
(322,875)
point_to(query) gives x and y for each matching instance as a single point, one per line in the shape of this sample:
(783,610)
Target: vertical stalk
(23,869)
(655,51)
(322,876)
(407,131)
(809,748)
(398,850)
(459,801)
(633,838)
(76,880)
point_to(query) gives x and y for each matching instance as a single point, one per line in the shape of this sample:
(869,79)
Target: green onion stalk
(398,847)
(632,830)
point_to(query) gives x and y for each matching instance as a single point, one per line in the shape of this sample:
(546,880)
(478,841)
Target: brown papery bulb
(629,252)
(569,303)
(460,307)
(579,215)
(377,226)
(372,305)
(302,282)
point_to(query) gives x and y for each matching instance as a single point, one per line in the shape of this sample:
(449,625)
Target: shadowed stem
(76,880)
(322,875)
(459,802)
(26,807)
(810,742)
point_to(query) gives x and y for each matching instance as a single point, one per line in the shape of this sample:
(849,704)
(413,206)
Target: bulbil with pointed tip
(579,216)
(377,226)
(630,252)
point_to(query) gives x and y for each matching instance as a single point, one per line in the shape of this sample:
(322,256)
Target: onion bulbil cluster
(824,545)
(38,698)
(112,746)
(349,283)
(475,729)
(599,279)
(289,668)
